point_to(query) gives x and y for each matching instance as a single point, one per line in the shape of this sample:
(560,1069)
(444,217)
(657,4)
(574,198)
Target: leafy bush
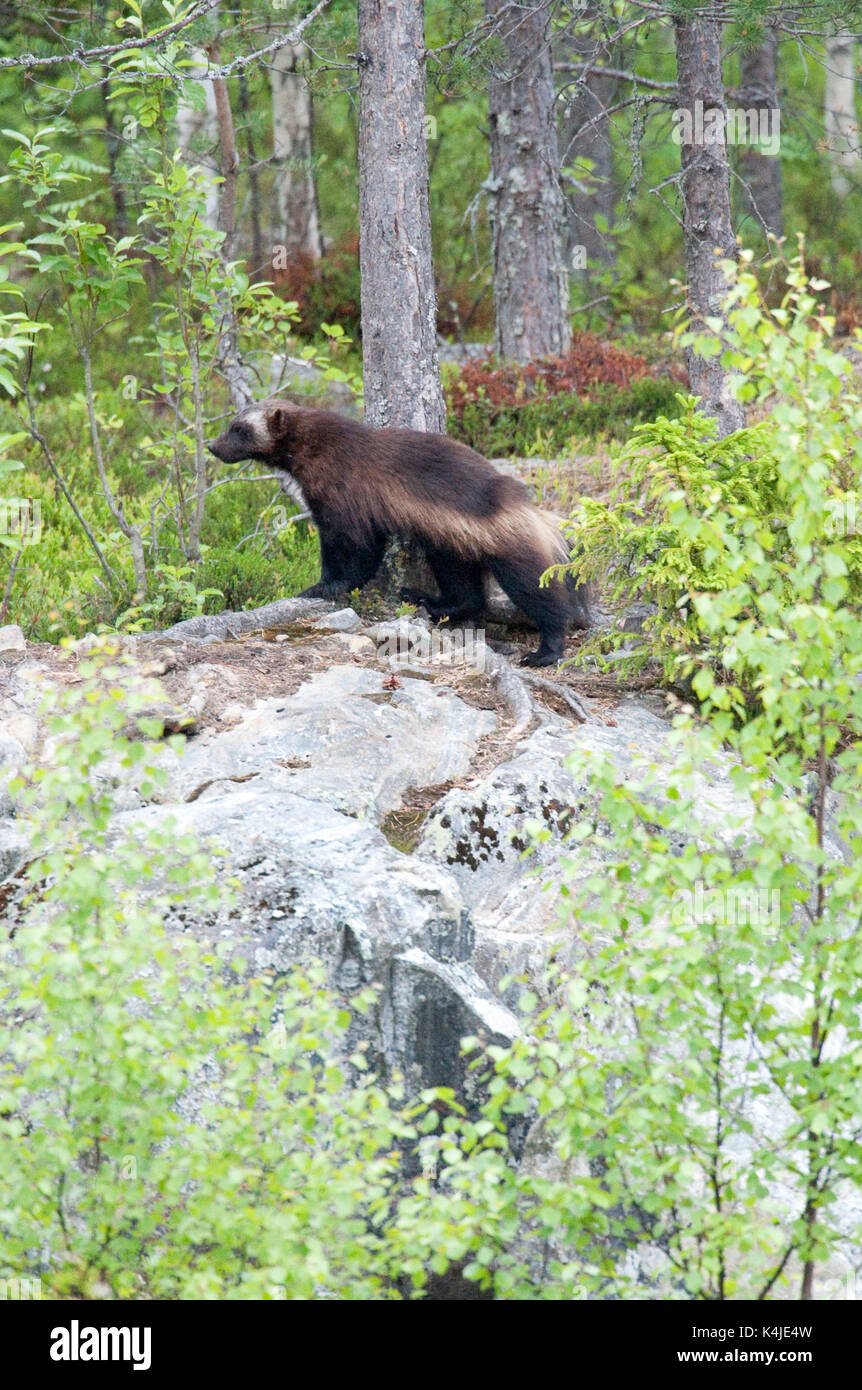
(589,362)
(694,518)
(695,1069)
(695,1072)
(168,1130)
(501,408)
(128,512)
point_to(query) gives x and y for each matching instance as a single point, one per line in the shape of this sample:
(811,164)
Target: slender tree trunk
(297,224)
(705,189)
(253,180)
(112,147)
(196,516)
(229,363)
(761,193)
(198,135)
(531,289)
(842,127)
(130,529)
(229,166)
(586,152)
(399,304)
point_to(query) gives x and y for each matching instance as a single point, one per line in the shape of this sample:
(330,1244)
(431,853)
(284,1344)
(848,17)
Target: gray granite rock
(343,739)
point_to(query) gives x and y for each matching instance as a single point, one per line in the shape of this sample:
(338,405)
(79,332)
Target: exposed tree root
(510,687)
(569,698)
(223,626)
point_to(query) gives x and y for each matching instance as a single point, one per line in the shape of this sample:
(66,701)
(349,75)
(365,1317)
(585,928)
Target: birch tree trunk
(842,127)
(198,134)
(399,303)
(297,223)
(227,357)
(531,288)
(761,194)
(705,190)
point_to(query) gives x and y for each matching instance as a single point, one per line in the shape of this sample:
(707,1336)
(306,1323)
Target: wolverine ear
(278,421)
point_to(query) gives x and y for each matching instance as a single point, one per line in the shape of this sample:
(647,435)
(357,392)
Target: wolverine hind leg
(548,608)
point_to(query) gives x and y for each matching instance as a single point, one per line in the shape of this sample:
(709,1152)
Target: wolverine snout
(229,448)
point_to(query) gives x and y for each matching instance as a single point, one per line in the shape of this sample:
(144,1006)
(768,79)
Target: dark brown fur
(365,485)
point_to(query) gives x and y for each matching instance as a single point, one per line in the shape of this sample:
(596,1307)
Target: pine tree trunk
(297,223)
(531,291)
(842,127)
(399,303)
(705,188)
(761,195)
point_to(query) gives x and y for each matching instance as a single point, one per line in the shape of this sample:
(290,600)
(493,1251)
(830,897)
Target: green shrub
(641,547)
(248,579)
(170,1129)
(559,422)
(694,1072)
(694,517)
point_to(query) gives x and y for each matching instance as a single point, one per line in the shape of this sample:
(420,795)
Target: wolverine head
(258,432)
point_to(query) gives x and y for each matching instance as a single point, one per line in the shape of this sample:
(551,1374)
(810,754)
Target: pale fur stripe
(507,533)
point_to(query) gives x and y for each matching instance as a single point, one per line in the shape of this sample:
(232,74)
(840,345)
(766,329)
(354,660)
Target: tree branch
(92,55)
(86,56)
(587,68)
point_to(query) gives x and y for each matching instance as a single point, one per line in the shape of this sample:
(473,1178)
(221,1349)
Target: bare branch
(620,73)
(293,36)
(84,56)
(4,606)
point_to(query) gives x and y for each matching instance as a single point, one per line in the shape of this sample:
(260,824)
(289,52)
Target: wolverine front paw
(540,658)
(414,596)
(321,590)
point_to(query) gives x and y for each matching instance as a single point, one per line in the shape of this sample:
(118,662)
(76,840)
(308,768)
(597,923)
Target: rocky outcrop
(370,793)
(342,740)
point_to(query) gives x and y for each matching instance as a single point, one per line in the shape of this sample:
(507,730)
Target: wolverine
(364,486)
